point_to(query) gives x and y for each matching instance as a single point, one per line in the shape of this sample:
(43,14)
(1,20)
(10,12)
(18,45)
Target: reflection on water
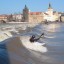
(52,27)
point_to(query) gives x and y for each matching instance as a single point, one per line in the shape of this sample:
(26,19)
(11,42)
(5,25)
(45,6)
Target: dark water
(54,39)
(55,44)
(4,57)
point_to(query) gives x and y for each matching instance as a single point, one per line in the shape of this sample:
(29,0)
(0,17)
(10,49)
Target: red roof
(35,13)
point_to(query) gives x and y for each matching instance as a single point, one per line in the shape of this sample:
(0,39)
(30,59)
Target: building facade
(3,18)
(34,17)
(49,15)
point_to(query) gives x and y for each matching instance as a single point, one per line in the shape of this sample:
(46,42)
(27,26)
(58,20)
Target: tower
(49,6)
(25,14)
(50,10)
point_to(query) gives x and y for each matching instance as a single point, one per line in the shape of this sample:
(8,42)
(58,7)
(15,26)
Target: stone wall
(62,18)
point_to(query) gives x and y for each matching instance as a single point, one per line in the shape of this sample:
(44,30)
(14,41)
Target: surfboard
(36,46)
(38,43)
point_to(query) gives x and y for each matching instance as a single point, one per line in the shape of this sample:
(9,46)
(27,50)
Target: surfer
(33,39)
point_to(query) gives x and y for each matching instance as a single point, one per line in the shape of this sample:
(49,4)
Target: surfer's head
(33,36)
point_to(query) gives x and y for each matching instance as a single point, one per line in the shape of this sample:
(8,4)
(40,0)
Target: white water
(19,50)
(36,46)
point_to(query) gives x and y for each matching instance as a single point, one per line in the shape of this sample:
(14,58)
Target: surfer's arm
(36,39)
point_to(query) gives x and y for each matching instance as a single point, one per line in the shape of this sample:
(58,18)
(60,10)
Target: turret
(26,8)
(25,14)
(50,10)
(50,7)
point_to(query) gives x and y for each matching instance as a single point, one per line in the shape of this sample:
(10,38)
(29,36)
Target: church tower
(50,7)
(50,10)
(25,14)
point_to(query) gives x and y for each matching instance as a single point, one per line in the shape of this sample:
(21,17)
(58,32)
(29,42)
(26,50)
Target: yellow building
(3,18)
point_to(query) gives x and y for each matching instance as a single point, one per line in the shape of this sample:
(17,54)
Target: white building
(50,15)
(17,17)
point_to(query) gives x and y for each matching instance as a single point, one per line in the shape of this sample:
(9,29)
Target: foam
(36,46)
(5,35)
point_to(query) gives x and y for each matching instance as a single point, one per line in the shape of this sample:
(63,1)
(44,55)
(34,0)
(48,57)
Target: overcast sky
(16,6)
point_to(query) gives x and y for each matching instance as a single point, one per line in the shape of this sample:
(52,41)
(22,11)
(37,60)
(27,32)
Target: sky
(16,6)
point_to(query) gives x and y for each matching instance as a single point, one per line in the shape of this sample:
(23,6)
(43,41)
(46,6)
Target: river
(54,39)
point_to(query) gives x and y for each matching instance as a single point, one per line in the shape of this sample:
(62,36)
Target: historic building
(31,16)
(34,17)
(62,17)
(3,18)
(49,15)
(17,17)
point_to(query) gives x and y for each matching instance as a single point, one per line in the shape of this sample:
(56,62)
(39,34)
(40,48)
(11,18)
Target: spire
(26,7)
(49,6)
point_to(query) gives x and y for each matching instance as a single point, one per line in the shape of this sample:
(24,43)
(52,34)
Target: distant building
(49,15)
(62,17)
(3,18)
(34,17)
(31,16)
(17,17)
(10,18)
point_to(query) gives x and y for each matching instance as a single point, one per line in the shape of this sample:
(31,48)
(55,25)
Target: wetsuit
(33,39)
